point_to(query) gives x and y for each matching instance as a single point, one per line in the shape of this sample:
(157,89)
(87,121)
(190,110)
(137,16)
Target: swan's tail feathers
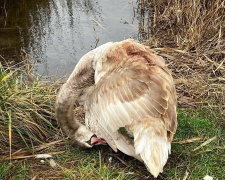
(124,144)
(153,148)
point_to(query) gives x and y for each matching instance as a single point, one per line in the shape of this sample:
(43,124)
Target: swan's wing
(133,90)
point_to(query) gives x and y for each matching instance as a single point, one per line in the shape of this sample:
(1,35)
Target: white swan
(125,89)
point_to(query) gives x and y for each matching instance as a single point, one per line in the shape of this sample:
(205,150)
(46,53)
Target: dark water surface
(57,33)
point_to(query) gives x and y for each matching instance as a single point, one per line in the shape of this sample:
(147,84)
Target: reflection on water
(56,33)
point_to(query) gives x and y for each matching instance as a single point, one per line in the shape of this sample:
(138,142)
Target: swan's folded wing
(130,93)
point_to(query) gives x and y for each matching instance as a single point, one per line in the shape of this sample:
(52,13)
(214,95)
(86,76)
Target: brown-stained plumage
(122,85)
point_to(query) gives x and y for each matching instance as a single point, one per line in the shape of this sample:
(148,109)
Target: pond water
(57,33)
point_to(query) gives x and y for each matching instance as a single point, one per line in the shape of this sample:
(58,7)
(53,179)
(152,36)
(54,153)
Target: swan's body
(122,85)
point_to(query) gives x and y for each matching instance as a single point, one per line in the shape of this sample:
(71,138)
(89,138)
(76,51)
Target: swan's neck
(64,109)
(81,78)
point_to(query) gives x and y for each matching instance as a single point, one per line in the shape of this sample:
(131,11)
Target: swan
(129,100)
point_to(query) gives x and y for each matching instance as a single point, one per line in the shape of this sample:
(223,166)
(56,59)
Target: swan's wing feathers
(132,89)
(118,100)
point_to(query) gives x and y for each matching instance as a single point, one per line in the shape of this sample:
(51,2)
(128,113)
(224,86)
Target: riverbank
(28,127)
(27,110)
(190,36)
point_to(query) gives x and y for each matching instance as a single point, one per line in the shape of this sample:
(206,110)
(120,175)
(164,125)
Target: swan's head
(87,139)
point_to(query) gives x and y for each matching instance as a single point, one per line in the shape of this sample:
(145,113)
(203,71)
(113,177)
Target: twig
(186,175)
(189,140)
(96,37)
(4,60)
(36,149)
(5,12)
(29,156)
(123,162)
(205,143)
(126,22)
(98,23)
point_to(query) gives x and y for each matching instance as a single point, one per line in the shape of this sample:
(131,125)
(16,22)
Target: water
(57,33)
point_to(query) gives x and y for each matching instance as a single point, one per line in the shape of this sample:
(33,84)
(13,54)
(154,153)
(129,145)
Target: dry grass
(190,35)
(197,151)
(26,111)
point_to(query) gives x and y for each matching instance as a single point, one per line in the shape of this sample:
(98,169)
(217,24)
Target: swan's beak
(97,141)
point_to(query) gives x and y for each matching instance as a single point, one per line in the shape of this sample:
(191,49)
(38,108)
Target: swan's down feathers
(125,85)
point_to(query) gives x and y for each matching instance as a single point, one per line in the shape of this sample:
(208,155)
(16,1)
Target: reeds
(26,111)
(190,35)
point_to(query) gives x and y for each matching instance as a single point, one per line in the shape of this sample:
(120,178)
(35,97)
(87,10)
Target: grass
(27,124)
(26,110)
(102,163)
(207,160)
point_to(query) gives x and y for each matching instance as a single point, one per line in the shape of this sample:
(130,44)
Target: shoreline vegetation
(27,109)
(190,36)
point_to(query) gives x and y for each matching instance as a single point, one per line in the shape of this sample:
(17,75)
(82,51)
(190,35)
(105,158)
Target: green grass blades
(26,110)
(197,129)
(199,157)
